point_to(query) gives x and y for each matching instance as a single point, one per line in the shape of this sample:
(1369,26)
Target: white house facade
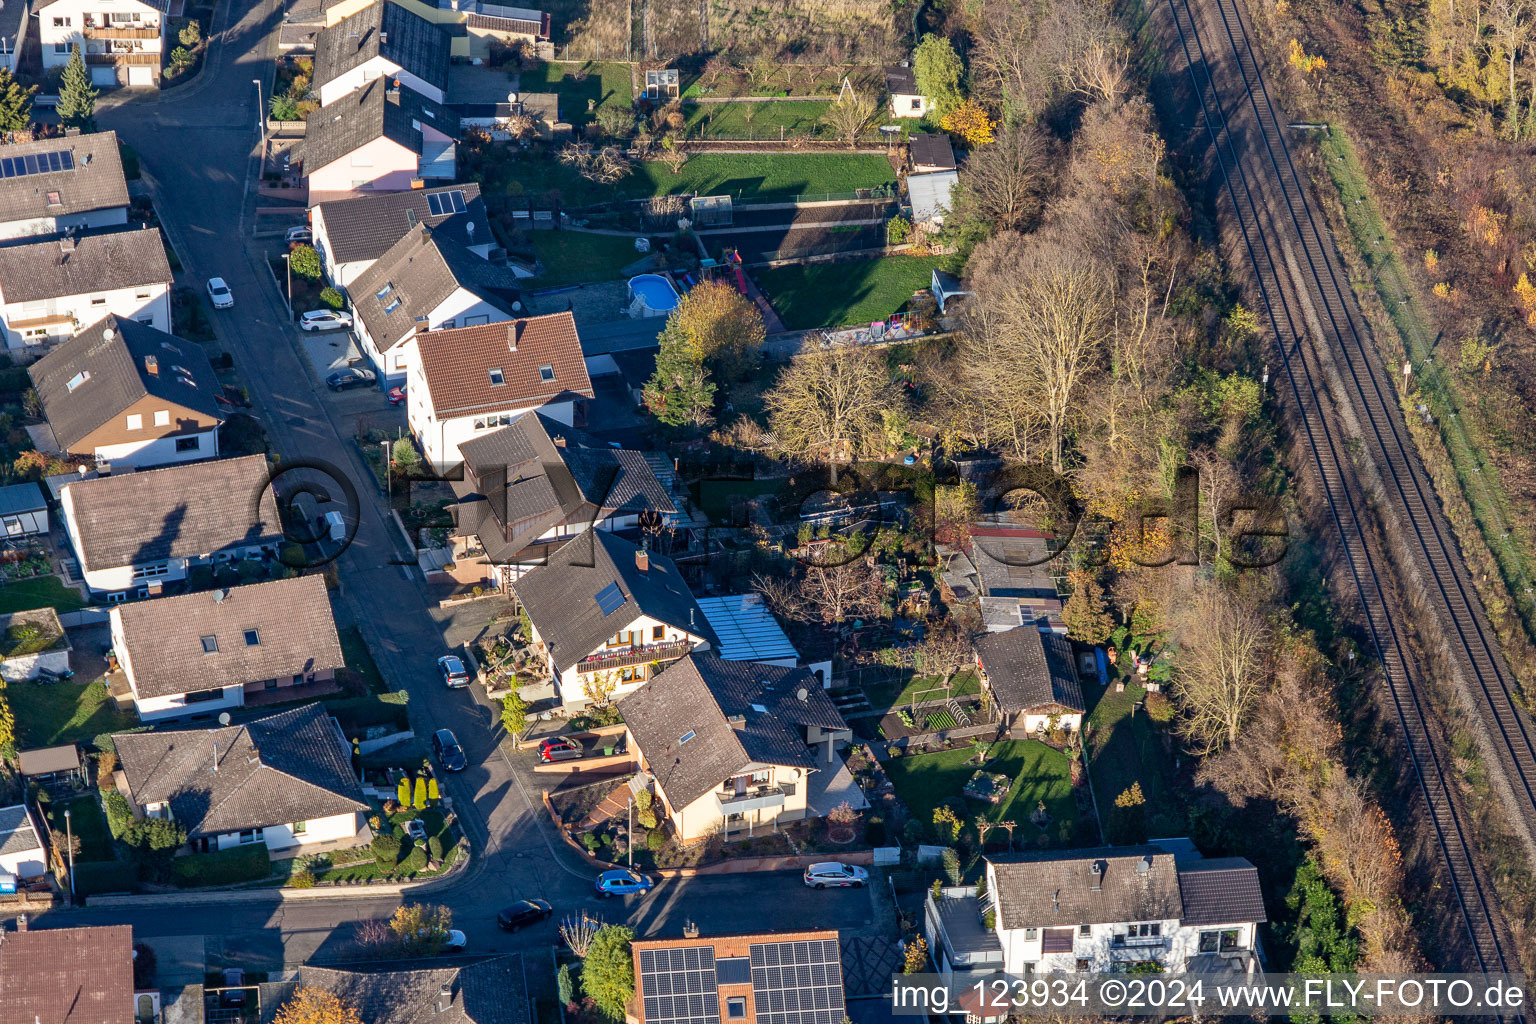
(55,185)
(50,291)
(120,40)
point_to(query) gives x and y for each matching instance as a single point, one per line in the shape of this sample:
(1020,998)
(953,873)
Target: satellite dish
(802,693)
(224,716)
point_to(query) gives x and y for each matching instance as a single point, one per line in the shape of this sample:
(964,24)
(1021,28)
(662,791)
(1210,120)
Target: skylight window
(610,599)
(393,305)
(497,377)
(441,203)
(383,293)
(78,379)
(546,373)
(252,638)
(210,645)
(685,737)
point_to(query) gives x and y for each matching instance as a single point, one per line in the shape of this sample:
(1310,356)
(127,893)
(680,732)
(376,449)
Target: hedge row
(226,867)
(96,876)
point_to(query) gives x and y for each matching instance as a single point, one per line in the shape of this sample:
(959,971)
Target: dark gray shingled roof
(80,266)
(932,150)
(367,113)
(95,182)
(520,483)
(1029,669)
(423,270)
(118,376)
(365,227)
(1221,890)
(1055,888)
(700,694)
(16,832)
(17,498)
(283,768)
(386,30)
(179,511)
(561,595)
(489,991)
(900,79)
(296,635)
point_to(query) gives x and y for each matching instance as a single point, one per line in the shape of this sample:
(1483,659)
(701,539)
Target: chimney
(22,920)
(215,757)
(444,997)
(1096,875)
(737,721)
(643,560)
(559,440)
(152,366)
(384,41)
(66,245)
(357,40)
(515,335)
(394,83)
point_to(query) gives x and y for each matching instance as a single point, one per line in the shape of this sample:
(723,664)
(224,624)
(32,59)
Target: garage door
(104,76)
(141,76)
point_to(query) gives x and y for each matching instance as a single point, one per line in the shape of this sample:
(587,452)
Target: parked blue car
(622,883)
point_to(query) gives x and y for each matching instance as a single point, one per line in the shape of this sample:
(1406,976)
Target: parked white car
(819,876)
(325,320)
(220,294)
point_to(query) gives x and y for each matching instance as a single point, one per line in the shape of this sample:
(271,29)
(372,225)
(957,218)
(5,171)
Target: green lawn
(745,175)
(354,651)
(88,824)
(1124,750)
(899,694)
(570,257)
(717,496)
(844,294)
(1039,772)
(38,592)
(603,83)
(60,712)
(754,120)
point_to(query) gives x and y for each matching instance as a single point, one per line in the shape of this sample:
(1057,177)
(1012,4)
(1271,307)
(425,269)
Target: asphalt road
(197,146)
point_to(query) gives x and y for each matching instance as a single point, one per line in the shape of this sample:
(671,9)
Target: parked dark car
(449,754)
(524,913)
(351,377)
(558,748)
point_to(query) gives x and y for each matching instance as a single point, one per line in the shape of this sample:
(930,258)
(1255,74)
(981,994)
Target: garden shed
(23,510)
(32,643)
(53,766)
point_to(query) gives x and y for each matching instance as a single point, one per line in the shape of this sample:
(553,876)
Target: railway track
(1321,335)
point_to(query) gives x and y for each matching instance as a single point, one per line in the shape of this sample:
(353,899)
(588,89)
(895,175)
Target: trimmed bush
(1159,708)
(98,876)
(655,840)
(331,297)
(386,850)
(302,880)
(435,849)
(119,813)
(226,867)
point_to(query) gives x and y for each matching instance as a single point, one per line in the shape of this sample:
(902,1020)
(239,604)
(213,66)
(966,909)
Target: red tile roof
(67,976)
(457,364)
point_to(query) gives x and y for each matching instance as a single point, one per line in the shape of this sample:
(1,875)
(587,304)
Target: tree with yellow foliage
(316,1006)
(971,122)
(1304,62)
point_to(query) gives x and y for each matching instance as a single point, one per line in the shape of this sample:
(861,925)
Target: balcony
(1135,951)
(627,657)
(120,32)
(139,58)
(752,800)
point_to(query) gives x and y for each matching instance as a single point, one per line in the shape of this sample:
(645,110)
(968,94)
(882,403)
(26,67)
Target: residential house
(1032,678)
(14,19)
(465,381)
(929,196)
(128,395)
(351,234)
(745,630)
(132,534)
(767,978)
(21,856)
(32,642)
(67,975)
(23,511)
(528,487)
(62,184)
(928,152)
(120,40)
(1113,909)
(608,614)
(493,117)
(285,780)
(426,283)
(378,138)
(219,649)
(488,990)
(50,291)
(382,40)
(906,99)
(471,25)
(737,745)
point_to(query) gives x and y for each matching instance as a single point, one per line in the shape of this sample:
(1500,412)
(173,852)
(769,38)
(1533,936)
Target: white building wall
(63,24)
(316,830)
(160,451)
(377,67)
(154,709)
(572,693)
(440,439)
(25,864)
(461,309)
(112,217)
(148,303)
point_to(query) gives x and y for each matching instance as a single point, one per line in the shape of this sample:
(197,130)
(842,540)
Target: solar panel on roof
(677,985)
(610,599)
(441,203)
(797,982)
(734,970)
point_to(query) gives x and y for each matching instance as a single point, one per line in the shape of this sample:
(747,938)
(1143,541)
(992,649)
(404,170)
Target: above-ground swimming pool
(651,295)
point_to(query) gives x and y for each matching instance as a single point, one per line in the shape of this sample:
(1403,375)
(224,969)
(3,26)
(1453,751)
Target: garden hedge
(226,867)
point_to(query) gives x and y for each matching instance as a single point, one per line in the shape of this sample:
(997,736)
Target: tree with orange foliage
(316,1006)
(971,122)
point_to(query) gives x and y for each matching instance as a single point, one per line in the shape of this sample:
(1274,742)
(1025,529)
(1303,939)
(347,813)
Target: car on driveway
(299,236)
(622,883)
(325,320)
(831,873)
(219,293)
(456,942)
(449,754)
(558,748)
(351,377)
(453,670)
(524,913)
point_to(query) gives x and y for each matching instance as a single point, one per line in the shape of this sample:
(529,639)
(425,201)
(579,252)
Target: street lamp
(288,269)
(389,491)
(630,832)
(69,844)
(261,123)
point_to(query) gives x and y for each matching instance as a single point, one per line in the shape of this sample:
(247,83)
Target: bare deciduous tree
(852,590)
(1007,181)
(828,405)
(604,166)
(1223,665)
(850,117)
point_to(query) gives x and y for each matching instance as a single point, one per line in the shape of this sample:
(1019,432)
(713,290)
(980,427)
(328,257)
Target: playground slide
(741,280)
